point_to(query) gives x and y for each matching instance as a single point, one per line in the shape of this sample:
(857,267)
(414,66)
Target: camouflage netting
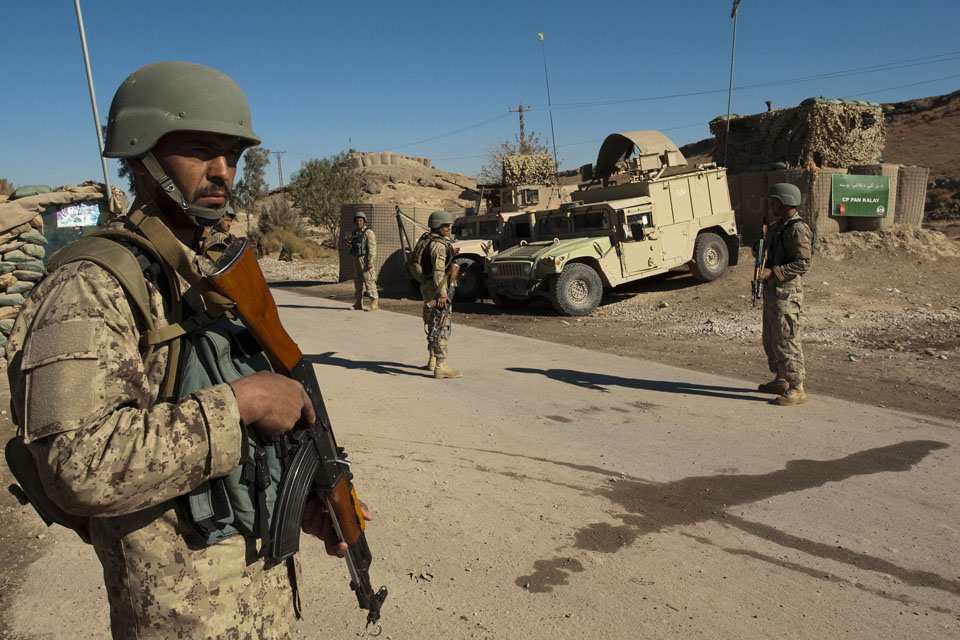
(530,169)
(819,134)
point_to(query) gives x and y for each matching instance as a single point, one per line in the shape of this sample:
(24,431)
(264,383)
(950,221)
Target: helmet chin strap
(199,216)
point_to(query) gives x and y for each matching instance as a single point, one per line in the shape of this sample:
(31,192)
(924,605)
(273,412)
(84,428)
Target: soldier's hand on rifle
(271,403)
(766,274)
(442,302)
(316,522)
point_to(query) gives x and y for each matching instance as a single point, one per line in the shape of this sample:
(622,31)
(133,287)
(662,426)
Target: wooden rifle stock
(315,461)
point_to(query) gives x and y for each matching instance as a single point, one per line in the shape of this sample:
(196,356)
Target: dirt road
(562,492)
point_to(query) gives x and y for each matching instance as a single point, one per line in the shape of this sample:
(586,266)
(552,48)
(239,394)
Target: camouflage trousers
(161,583)
(364,281)
(781,330)
(438,347)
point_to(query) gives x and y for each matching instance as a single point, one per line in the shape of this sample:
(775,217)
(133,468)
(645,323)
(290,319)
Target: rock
(852,357)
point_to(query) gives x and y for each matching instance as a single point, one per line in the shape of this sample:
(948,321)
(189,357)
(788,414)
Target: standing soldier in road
(138,435)
(435,262)
(362,245)
(789,257)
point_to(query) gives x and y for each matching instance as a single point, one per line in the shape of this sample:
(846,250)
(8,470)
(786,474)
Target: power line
(890,66)
(450,133)
(902,86)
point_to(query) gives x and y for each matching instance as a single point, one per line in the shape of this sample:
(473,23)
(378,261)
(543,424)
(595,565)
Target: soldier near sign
(789,257)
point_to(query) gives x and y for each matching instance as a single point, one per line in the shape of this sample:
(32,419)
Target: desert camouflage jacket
(87,404)
(794,256)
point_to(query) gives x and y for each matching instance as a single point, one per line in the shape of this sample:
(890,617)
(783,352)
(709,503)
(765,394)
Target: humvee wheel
(503,301)
(577,290)
(710,257)
(470,281)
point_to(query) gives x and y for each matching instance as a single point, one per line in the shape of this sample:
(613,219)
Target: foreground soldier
(789,257)
(119,445)
(435,262)
(362,244)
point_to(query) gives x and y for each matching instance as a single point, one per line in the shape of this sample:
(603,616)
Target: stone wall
(361,159)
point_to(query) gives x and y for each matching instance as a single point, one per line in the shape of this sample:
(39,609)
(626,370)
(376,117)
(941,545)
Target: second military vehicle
(642,215)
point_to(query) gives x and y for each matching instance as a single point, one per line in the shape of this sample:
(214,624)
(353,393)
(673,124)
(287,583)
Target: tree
(6,187)
(252,186)
(492,170)
(321,187)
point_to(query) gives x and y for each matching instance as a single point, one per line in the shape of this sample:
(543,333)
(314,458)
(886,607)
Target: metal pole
(93,103)
(733,49)
(553,136)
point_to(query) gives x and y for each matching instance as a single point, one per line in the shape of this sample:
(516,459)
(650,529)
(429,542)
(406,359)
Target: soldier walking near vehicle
(435,258)
(362,245)
(789,257)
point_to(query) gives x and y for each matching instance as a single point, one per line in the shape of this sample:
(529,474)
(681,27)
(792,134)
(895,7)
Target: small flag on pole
(540,35)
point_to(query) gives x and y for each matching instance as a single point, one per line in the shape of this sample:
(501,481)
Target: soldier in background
(436,261)
(789,257)
(221,231)
(362,245)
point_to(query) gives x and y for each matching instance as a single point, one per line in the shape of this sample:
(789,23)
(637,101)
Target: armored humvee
(506,222)
(640,216)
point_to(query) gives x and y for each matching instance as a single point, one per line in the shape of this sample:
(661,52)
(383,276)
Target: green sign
(864,196)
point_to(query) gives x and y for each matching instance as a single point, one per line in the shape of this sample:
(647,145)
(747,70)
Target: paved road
(556,492)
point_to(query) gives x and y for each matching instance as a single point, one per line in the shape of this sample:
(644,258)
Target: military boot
(375,305)
(358,303)
(793,395)
(443,371)
(777,386)
(431,363)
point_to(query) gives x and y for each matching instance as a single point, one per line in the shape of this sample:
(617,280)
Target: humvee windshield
(589,222)
(476,229)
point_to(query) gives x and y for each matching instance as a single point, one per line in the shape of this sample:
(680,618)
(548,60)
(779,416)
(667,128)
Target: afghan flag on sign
(540,35)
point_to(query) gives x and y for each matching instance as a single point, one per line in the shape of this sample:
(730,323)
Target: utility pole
(93,102)
(279,167)
(556,166)
(523,135)
(733,49)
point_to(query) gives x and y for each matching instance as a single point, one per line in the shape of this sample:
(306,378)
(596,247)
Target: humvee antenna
(553,136)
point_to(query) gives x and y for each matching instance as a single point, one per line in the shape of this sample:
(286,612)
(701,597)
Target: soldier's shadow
(373,366)
(602,382)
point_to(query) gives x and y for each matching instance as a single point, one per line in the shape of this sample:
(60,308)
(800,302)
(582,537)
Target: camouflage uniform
(789,258)
(105,448)
(364,280)
(434,286)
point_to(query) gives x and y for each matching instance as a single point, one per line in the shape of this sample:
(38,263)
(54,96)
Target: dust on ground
(881,318)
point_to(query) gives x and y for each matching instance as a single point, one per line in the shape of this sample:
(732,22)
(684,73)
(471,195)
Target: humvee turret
(642,215)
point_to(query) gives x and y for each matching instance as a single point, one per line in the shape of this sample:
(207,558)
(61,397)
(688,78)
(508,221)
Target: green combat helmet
(175,96)
(439,218)
(360,214)
(786,193)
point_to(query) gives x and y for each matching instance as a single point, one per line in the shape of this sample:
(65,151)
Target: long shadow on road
(602,382)
(373,366)
(651,507)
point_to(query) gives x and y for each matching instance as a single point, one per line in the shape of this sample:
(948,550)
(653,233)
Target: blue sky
(437,79)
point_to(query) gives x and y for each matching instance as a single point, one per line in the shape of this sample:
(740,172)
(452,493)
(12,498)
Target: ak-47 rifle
(756,284)
(439,315)
(314,462)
